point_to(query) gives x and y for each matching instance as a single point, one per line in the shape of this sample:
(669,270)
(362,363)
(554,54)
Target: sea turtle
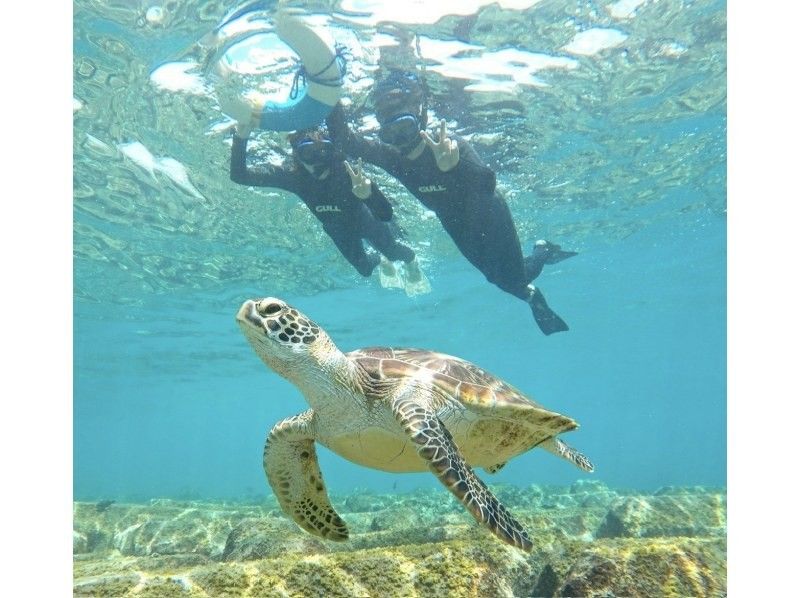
(395,410)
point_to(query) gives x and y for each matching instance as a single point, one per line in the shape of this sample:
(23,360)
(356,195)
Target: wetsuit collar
(416,151)
(316,172)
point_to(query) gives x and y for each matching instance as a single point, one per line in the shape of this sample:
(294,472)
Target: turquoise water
(621,158)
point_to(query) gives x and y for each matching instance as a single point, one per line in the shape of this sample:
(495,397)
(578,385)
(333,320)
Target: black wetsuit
(344,217)
(464,198)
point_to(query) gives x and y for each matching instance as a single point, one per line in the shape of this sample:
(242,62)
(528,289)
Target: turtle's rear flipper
(549,321)
(290,462)
(435,445)
(561,449)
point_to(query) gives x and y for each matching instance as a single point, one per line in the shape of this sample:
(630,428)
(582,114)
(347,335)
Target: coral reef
(589,540)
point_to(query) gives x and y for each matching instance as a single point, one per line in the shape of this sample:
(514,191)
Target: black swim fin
(549,321)
(559,255)
(554,253)
(544,252)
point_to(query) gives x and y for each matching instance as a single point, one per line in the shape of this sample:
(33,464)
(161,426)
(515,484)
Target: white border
(37,299)
(762,301)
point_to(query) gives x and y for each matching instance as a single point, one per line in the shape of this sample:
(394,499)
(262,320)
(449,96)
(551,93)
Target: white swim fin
(416,283)
(389,276)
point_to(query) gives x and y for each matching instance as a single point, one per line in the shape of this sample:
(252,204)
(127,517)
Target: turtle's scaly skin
(395,410)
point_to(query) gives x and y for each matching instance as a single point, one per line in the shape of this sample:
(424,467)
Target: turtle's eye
(268,309)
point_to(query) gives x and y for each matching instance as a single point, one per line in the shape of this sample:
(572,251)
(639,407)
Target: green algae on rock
(673,545)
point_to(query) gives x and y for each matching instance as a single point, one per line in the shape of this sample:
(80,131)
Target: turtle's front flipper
(290,462)
(436,446)
(561,449)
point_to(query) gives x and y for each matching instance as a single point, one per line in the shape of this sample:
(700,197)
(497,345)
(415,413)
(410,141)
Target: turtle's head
(283,338)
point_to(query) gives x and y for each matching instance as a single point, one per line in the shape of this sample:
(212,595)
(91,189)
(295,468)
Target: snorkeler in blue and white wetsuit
(449,178)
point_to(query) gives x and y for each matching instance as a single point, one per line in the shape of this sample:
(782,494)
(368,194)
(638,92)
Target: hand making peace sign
(362,186)
(445,151)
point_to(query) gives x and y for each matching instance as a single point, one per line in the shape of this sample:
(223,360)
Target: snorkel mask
(315,152)
(400,131)
(400,109)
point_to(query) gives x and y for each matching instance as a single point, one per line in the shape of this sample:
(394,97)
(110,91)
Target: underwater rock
(112,585)
(402,518)
(159,536)
(221,580)
(593,575)
(546,583)
(522,497)
(362,502)
(665,515)
(415,545)
(593,493)
(672,490)
(125,540)
(159,528)
(321,578)
(380,570)
(80,543)
(654,568)
(624,519)
(559,501)
(584,486)
(255,539)
(583,493)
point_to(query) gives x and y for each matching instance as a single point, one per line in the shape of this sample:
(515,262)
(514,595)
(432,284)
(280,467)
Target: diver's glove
(362,186)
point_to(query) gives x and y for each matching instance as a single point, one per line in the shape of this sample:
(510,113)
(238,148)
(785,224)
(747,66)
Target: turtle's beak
(247,314)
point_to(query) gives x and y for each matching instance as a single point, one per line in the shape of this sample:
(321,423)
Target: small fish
(97,146)
(176,172)
(137,153)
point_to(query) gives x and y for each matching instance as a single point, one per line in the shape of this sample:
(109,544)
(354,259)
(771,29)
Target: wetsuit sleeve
(353,144)
(379,205)
(337,125)
(271,176)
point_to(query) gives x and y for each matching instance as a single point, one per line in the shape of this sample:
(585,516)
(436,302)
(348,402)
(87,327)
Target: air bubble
(154,15)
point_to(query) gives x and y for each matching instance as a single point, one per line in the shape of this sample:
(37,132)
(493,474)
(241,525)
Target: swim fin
(416,283)
(549,322)
(388,275)
(544,252)
(554,252)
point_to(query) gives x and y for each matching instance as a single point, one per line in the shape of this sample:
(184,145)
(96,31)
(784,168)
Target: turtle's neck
(324,376)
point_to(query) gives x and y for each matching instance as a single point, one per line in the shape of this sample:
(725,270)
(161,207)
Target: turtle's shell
(475,388)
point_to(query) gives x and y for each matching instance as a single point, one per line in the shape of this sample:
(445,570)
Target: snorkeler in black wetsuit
(448,177)
(349,205)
